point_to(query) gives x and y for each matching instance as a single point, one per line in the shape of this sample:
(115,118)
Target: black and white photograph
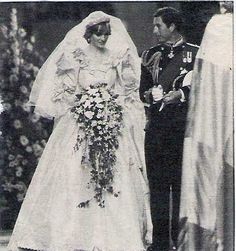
(117,126)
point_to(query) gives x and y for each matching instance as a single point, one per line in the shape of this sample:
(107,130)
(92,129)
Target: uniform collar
(177,43)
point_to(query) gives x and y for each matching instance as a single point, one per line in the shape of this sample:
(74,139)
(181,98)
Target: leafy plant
(23,134)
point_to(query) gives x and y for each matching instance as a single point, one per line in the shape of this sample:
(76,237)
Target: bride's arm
(129,74)
(65,85)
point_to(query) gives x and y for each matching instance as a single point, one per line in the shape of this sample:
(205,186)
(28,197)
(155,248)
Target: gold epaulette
(147,62)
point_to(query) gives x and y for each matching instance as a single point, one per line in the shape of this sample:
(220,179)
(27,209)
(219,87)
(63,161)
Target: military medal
(184,53)
(171,54)
(189,57)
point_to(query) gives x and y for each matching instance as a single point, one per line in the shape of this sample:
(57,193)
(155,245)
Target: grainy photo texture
(116,126)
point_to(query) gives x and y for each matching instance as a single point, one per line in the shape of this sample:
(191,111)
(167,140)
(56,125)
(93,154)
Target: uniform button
(162,48)
(160,69)
(181,68)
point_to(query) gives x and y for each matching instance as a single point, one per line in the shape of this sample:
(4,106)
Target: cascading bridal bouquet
(99,118)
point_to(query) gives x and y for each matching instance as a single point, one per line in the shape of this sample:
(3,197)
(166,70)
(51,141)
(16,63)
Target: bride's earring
(89,40)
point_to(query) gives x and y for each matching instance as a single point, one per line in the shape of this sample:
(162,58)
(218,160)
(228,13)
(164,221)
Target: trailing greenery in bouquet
(99,118)
(23,134)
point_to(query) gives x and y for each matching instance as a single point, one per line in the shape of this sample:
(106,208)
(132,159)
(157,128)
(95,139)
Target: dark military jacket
(167,66)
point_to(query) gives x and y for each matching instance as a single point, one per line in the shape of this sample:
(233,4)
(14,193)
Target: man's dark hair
(229,6)
(170,15)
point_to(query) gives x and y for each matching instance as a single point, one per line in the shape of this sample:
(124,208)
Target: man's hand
(172,97)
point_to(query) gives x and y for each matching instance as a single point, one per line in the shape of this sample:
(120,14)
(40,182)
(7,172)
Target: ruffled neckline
(86,61)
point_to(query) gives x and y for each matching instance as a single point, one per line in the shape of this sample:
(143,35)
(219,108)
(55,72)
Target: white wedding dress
(49,219)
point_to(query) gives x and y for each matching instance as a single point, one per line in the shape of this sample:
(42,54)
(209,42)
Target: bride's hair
(102,28)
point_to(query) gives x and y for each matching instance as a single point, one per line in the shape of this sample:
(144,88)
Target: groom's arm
(146,84)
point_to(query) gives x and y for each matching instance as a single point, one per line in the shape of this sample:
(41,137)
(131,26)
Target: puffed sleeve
(65,84)
(129,74)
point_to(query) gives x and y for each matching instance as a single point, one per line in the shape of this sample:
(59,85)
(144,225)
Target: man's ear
(172,27)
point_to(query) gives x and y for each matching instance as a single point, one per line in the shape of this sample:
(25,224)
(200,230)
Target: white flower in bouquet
(79,110)
(87,103)
(99,105)
(100,115)
(106,96)
(94,123)
(24,140)
(92,91)
(89,114)
(94,111)
(98,100)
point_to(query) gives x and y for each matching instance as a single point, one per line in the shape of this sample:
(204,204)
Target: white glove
(157,93)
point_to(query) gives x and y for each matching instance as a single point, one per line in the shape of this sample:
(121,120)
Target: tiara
(96,18)
(100,20)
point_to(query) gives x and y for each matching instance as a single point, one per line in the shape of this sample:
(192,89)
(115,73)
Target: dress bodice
(78,70)
(92,70)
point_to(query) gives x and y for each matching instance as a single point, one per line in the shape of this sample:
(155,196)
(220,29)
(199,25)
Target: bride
(66,207)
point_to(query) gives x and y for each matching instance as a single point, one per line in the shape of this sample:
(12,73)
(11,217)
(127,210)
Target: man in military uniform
(164,89)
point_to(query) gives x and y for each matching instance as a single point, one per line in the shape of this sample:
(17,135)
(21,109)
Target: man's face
(162,32)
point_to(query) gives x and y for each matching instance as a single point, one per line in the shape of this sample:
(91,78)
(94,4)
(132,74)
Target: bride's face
(99,40)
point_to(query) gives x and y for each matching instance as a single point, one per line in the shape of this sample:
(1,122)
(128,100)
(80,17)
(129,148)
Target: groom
(164,89)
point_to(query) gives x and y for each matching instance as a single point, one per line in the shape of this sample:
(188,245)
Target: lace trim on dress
(86,63)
